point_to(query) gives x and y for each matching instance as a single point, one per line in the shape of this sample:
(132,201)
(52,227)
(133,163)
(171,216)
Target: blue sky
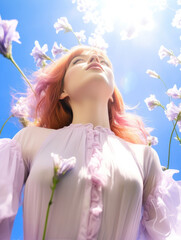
(130,58)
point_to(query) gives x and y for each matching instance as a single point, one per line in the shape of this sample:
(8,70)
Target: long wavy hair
(47,110)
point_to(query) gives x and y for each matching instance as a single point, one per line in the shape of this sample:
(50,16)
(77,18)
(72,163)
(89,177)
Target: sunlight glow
(132,16)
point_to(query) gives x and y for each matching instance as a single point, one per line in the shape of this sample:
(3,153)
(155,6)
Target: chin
(93,88)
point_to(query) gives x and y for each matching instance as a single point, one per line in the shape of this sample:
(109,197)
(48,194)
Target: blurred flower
(129,33)
(152,102)
(163,52)
(80,36)
(39,55)
(176,22)
(97,41)
(7,35)
(20,109)
(86,5)
(174,92)
(174,60)
(91,17)
(61,165)
(56,50)
(152,74)
(179,2)
(62,24)
(151,140)
(172,111)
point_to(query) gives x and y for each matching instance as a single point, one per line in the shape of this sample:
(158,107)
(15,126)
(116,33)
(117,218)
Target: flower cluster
(172,111)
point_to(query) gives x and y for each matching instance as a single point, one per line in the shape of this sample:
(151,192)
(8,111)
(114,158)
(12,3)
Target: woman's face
(89,75)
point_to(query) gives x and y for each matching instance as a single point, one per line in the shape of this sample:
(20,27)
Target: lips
(94,65)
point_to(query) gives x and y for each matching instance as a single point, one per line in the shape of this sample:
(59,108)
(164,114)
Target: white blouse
(116,191)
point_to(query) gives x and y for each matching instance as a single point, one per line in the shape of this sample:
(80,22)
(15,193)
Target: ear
(63,95)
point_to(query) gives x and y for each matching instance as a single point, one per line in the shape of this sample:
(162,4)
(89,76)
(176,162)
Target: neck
(91,112)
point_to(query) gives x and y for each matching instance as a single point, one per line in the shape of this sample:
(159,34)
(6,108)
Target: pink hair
(47,110)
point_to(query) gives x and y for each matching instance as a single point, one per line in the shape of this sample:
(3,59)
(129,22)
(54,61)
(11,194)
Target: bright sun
(131,15)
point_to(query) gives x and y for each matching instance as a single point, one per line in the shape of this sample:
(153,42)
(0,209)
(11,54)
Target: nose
(94,58)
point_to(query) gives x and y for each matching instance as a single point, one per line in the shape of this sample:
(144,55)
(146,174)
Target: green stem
(160,105)
(76,37)
(48,58)
(171,139)
(163,83)
(5,123)
(19,69)
(48,209)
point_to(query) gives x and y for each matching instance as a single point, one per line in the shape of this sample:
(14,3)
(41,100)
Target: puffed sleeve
(161,218)
(12,173)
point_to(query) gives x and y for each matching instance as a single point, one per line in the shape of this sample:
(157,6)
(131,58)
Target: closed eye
(77,60)
(105,62)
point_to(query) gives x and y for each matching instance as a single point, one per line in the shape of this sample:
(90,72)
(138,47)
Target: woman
(117,190)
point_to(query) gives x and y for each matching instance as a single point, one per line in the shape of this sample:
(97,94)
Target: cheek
(72,79)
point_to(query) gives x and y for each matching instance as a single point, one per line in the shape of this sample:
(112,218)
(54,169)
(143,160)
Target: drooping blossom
(39,55)
(152,102)
(97,41)
(152,73)
(62,165)
(163,52)
(58,50)
(174,92)
(62,24)
(176,22)
(80,36)
(7,35)
(20,109)
(172,111)
(151,140)
(174,60)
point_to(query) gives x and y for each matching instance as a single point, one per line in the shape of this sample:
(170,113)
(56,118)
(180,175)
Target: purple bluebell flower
(62,165)
(163,52)
(174,60)
(39,55)
(152,73)
(80,36)
(62,24)
(20,109)
(151,140)
(174,92)
(172,111)
(7,35)
(58,50)
(152,102)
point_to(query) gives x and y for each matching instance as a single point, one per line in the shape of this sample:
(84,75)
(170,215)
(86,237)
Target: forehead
(89,52)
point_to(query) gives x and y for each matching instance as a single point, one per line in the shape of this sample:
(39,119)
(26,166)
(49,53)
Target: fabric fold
(11,183)
(162,211)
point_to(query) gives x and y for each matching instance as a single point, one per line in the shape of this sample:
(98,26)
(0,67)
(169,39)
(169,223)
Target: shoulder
(30,139)
(32,131)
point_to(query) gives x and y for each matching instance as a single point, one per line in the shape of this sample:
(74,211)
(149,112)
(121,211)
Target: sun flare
(132,16)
